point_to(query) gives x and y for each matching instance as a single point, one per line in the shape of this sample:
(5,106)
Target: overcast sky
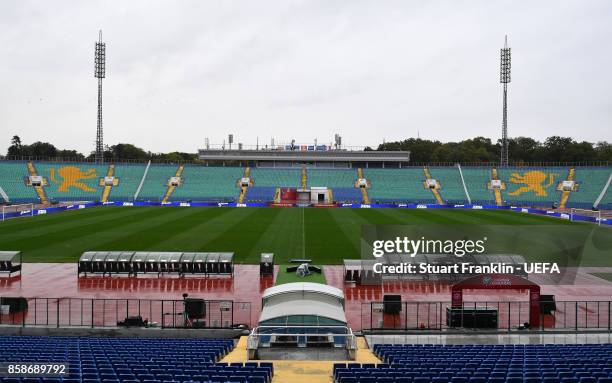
(180,71)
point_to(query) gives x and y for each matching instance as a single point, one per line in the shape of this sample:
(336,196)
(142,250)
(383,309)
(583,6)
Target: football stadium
(306,262)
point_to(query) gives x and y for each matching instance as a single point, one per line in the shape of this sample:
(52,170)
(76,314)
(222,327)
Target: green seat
(532,186)
(477,180)
(12,180)
(591,181)
(277,177)
(208,183)
(69,181)
(398,185)
(332,178)
(155,184)
(451,188)
(129,178)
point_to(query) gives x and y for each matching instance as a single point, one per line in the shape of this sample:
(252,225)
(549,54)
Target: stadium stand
(332,178)
(276,177)
(349,195)
(451,187)
(532,186)
(398,185)
(606,202)
(12,181)
(541,363)
(476,181)
(260,194)
(156,182)
(204,183)
(591,181)
(72,181)
(129,177)
(133,360)
(524,186)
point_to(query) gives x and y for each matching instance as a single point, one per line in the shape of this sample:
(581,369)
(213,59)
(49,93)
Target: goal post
(20,210)
(592,215)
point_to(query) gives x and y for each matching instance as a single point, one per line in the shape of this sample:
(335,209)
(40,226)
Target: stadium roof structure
(216,155)
(303,303)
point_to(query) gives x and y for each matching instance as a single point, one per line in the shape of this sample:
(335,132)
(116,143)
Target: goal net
(13,211)
(587,215)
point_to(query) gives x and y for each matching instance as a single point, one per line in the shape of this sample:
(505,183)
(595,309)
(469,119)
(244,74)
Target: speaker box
(16,304)
(392,304)
(195,308)
(547,304)
(471,318)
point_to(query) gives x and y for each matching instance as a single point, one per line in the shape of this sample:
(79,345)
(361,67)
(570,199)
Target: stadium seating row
(587,363)
(520,186)
(133,360)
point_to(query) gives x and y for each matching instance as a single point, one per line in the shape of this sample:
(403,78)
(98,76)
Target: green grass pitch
(327,236)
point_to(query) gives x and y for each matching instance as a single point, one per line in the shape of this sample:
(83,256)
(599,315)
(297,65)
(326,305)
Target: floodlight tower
(100,70)
(504,78)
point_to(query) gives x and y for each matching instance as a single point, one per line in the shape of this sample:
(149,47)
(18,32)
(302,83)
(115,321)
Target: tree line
(111,153)
(479,149)
(520,150)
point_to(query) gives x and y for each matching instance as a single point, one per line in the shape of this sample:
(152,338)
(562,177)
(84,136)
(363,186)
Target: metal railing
(302,335)
(567,315)
(94,312)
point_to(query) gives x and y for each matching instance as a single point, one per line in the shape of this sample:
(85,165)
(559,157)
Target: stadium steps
(243,189)
(304,177)
(566,193)
(107,188)
(435,192)
(171,187)
(302,371)
(364,191)
(498,195)
(39,189)
(450,183)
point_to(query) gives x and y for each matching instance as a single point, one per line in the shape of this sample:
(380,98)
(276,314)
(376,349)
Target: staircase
(498,196)
(566,193)
(303,371)
(364,191)
(304,178)
(107,188)
(171,187)
(39,189)
(435,191)
(243,189)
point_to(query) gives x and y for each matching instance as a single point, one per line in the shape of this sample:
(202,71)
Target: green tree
(128,152)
